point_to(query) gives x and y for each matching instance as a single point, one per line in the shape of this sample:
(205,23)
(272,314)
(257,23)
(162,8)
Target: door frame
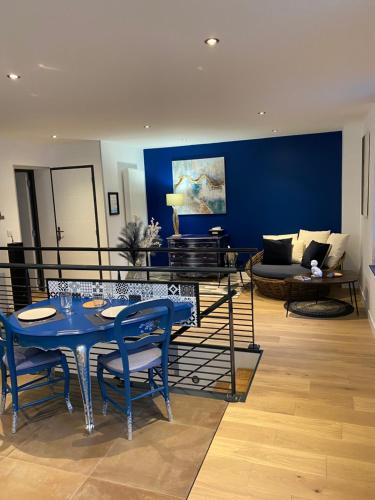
(91,167)
(35,221)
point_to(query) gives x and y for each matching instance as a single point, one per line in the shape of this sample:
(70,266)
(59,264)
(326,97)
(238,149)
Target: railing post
(232,395)
(148,265)
(252,301)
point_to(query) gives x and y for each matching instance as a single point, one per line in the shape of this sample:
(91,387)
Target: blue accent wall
(273,186)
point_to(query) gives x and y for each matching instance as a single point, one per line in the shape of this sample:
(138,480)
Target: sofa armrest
(255,259)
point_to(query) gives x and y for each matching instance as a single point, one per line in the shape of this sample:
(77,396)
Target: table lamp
(175,200)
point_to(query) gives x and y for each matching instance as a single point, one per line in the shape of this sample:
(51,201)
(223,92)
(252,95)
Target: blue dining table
(79,331)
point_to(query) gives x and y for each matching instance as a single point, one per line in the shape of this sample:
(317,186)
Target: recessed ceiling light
(212,41)
(13,76)
(261,113)
(275,130)
(54,136)
(147,126)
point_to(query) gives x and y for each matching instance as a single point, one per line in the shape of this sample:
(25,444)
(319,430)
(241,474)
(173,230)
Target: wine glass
(109,296)
(99,297)
(66,301)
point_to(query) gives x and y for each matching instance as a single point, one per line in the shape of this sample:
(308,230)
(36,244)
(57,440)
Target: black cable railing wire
(227,316)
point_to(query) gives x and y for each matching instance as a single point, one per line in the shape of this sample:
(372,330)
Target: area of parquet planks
(307,429)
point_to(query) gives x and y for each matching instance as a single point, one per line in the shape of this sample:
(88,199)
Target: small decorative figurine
(316,272)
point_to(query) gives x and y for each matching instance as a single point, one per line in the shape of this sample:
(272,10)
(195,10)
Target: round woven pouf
(324,308)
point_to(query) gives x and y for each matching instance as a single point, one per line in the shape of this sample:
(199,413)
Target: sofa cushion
(31,358)
(277,251)
(309,236)
(315,251)
(294,236)
(279,272)
(142,359)
(298,246)
(338,242)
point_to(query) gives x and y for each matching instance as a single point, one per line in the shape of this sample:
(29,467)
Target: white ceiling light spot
(211,42)
(54,136)
(275,130)
(261,113)
(147,126)
(13,76)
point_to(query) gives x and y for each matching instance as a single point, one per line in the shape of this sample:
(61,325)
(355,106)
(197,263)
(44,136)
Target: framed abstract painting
(202,182)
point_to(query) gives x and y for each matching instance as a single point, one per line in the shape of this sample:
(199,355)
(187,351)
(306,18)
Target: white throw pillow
(297,252)
(338,242)
(294,236)
(309,236)
(298,247)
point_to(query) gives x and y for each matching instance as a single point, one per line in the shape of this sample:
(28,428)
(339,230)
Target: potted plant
(135,236)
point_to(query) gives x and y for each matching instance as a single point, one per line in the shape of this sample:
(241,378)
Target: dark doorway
(29,222)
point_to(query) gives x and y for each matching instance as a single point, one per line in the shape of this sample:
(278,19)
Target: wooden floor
(307,430)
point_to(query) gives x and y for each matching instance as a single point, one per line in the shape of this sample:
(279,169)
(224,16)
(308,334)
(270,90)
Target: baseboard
(371,320)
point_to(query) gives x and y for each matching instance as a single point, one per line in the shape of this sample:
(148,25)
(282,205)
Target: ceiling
(102,69)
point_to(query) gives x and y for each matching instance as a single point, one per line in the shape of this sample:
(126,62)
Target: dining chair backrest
(9,341)
(135,329)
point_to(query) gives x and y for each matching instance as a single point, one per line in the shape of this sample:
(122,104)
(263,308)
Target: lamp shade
(174,199)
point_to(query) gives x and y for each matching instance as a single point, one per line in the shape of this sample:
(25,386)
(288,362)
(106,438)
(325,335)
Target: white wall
(351,191)
(37,155)
(123,172)
(361,252)
(367,226)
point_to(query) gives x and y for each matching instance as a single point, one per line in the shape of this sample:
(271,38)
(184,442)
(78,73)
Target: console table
(197,259)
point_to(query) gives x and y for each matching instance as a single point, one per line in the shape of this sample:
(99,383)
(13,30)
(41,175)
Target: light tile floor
(52,457)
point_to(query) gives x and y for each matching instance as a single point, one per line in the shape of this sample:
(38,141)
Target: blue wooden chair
(16,361)
(143,345)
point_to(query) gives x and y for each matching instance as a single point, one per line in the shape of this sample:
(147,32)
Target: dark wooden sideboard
(198,259)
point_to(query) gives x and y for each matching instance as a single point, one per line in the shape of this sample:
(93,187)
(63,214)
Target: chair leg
(65,368)
(151,381)
(169,410)
(3,388)
(51,376)
(14,421)
(14,391)
(130,425)
(105,408)
(129,412)
(3,403)
(166,393)
(99,375)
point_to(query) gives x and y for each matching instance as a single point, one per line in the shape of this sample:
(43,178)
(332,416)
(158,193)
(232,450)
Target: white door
(76,217)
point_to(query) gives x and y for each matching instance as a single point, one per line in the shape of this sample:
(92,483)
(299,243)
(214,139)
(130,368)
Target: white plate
(112,312)
(37,313)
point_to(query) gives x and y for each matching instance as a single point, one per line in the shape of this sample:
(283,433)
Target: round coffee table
(348,278)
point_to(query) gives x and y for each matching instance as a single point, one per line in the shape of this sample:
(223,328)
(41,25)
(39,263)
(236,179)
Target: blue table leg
(82,355)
